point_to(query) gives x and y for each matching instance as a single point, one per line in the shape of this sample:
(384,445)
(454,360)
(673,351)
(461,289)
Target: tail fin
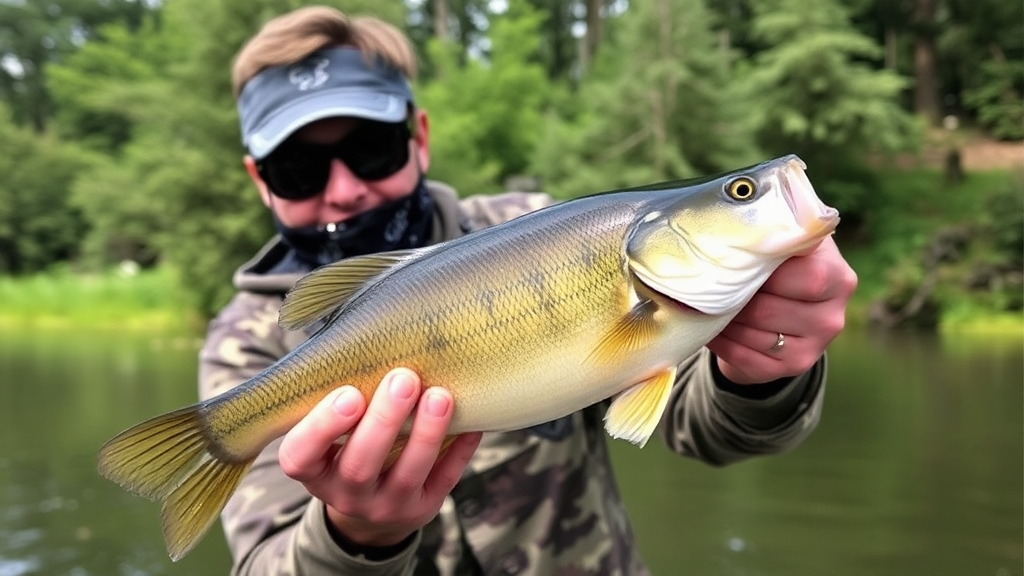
(168,458)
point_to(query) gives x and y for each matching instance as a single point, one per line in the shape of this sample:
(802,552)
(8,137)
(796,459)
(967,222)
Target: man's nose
(343,187)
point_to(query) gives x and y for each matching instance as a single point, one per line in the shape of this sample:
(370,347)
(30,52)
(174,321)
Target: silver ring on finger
(779,343)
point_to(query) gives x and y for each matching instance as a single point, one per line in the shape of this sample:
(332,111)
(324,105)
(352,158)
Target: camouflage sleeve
(272,524)
(479,212)
(719,427)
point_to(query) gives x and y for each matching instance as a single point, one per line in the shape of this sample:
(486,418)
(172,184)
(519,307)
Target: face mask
(403,223)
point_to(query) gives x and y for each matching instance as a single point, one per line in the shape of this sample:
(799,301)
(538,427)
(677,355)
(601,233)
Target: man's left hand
(804,301)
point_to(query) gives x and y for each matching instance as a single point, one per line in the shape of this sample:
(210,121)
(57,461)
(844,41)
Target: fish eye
(741,189)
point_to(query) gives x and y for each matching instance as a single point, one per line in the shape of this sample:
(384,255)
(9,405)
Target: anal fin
(635,413)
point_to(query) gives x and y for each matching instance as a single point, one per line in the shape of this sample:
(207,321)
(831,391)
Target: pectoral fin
(635,413)
(325,289)
(631,333)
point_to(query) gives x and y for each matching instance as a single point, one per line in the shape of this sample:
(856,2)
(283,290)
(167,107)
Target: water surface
(916,469)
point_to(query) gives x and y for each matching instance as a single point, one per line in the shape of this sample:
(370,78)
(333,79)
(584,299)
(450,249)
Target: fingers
(762,342)
(424,444)
(448,470)
(367,449)
(820,276)
(307,449)
(771,314)
(366,501)
(805,300)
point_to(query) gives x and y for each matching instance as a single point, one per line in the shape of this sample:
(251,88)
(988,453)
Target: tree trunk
(926,87)
(441,19)
(891,48)
(663,97)
(592,37)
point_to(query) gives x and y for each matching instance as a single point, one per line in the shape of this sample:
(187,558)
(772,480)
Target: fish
(595,298)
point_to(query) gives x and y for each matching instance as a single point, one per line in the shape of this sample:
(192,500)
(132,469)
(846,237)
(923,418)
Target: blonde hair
(293,36)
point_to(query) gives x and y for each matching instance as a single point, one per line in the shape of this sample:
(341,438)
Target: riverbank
(152,301)
(949,249)
(123,298)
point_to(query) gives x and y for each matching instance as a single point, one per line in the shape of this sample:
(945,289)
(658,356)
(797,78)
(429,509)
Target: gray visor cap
(330,82)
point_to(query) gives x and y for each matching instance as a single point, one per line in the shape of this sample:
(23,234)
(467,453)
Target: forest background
(123,199)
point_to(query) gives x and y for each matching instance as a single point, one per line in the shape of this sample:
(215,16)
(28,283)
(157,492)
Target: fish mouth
(811,214)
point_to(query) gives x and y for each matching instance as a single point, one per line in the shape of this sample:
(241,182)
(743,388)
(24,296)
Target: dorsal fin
(323,290)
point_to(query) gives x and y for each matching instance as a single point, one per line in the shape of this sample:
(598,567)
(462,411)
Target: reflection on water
(62,395)
(917,467)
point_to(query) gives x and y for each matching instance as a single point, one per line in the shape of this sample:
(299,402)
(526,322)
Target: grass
(123,298)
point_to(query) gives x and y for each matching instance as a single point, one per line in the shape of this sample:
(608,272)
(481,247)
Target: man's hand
(804,301)
(366,503)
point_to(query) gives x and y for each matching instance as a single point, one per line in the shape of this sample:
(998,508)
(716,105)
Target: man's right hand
(367,504)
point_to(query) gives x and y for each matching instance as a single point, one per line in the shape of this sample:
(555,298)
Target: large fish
(524,323)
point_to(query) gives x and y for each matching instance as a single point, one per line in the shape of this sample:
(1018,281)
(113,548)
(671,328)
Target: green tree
(657,105)
(997,98)
(982,48)
(461,22)
(815,93)
(37,33)
(37,225)
(558,46)
(485,114)
(102,91)
(113,97)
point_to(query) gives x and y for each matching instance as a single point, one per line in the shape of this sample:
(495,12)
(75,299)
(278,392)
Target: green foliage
(35,34)
(485,118)
(981,44)
(105,89)
(817,96)
(814,88)
(1003,222)
(37,224)
(999,98)
(673,117)
(115,98)
(915,214)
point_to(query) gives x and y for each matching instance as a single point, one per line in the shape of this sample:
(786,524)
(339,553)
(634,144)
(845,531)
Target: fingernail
(347,402)
(401,386)
(436,404)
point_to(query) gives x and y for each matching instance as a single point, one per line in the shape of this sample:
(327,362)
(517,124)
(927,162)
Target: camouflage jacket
(536,501)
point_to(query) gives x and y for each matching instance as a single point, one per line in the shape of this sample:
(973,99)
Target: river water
(916,469)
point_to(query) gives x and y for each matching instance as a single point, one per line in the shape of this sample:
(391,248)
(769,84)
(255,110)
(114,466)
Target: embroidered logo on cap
(309,74)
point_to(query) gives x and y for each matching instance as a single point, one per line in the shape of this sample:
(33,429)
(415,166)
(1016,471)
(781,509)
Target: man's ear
(254,175)
(422,139)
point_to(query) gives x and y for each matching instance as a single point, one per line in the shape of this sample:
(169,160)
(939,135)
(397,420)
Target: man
(338,152)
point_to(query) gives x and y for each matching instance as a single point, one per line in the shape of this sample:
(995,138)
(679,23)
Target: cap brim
(320,105)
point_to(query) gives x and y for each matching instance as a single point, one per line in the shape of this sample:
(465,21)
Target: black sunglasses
(372,151)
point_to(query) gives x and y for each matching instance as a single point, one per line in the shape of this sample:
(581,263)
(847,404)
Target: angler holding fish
(431,401)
